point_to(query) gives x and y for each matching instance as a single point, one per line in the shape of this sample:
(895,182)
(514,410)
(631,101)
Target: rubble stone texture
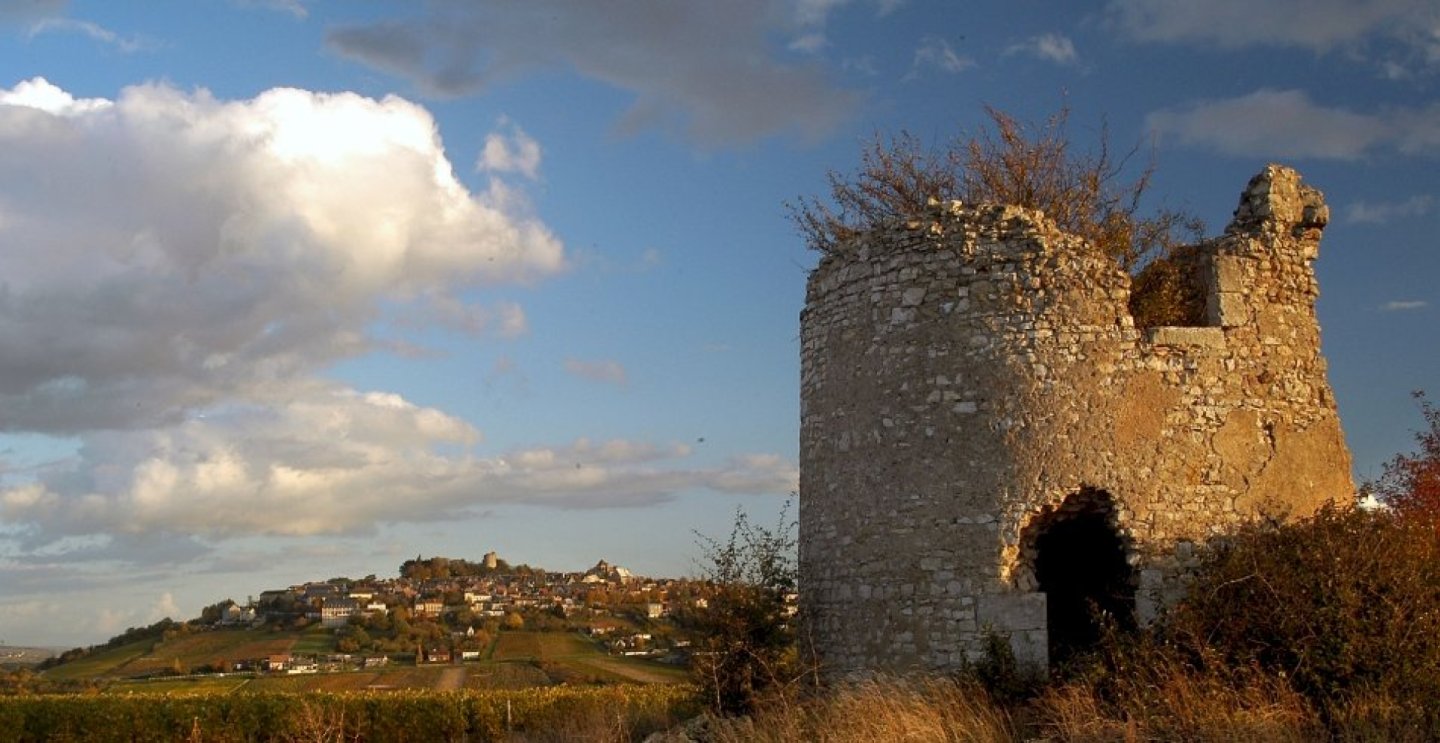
(969,374)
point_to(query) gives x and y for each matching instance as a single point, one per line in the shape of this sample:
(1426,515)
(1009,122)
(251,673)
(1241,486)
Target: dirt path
(451,679)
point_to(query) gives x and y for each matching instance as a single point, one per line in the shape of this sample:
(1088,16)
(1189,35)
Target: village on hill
(437,611)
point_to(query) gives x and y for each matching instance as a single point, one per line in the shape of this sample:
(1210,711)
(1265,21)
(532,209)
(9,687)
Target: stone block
(1191,337)
(1226,273)
(1226,310)
(1011,612)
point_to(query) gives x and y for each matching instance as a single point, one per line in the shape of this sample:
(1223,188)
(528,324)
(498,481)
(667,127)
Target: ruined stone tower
(988,442)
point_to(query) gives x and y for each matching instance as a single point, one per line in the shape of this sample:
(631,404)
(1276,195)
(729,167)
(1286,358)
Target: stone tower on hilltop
(989,443)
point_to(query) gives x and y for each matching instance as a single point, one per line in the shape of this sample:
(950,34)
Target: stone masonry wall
(965,372)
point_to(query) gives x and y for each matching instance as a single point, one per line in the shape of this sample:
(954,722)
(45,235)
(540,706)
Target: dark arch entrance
(1080,565)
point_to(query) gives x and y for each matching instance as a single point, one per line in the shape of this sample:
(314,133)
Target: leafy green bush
(747,648)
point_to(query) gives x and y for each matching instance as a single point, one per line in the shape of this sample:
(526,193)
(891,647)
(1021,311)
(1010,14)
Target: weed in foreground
(922,708)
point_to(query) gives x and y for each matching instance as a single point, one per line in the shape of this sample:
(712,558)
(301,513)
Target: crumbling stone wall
(966,372)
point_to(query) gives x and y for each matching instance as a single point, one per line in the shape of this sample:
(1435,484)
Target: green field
(314,641)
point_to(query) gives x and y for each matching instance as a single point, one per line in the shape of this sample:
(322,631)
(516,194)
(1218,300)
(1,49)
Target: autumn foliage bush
(1341,609)
(1411,482)
(1343,603)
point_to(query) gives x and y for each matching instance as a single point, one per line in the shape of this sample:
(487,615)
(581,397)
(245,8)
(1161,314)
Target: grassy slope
(204,648)
(572,658)
(314,641)
(150,656)
(103,663)
(542,646)
(517,660)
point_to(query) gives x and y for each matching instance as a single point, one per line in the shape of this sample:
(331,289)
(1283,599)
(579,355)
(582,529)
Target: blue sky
(296,289)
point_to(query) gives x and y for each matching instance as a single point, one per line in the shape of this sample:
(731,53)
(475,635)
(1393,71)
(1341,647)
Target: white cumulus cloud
(169,250)
(335,461)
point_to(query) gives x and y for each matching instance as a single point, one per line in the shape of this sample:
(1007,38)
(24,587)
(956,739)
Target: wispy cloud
(935,53)
(650,258)
(811,16)
(1362,212)
(810,43)
(295,8)
(684,63)
(1404,305)
(125,44)
(1051,47)
(502,319)
(817,12)
(1396,34)
(1286,123)
(603,370)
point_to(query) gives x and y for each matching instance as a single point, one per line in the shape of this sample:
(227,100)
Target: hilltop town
(436,611)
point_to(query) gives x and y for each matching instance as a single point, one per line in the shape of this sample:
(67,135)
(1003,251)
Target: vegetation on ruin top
(1086,192)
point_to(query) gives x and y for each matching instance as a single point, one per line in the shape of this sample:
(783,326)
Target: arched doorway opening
(1079,562)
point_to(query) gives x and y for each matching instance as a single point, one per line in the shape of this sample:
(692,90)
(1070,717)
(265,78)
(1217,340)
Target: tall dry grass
(883,709)
(1179,706)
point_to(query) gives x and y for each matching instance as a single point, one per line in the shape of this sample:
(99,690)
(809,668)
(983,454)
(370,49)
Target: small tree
(1009,162)
(1411,482)
(749,637)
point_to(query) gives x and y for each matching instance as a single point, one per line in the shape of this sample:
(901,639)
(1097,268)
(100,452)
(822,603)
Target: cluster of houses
(463,602)
(491,595)
(295,664)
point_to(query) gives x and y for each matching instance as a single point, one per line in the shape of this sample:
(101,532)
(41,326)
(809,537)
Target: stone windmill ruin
(989,443)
